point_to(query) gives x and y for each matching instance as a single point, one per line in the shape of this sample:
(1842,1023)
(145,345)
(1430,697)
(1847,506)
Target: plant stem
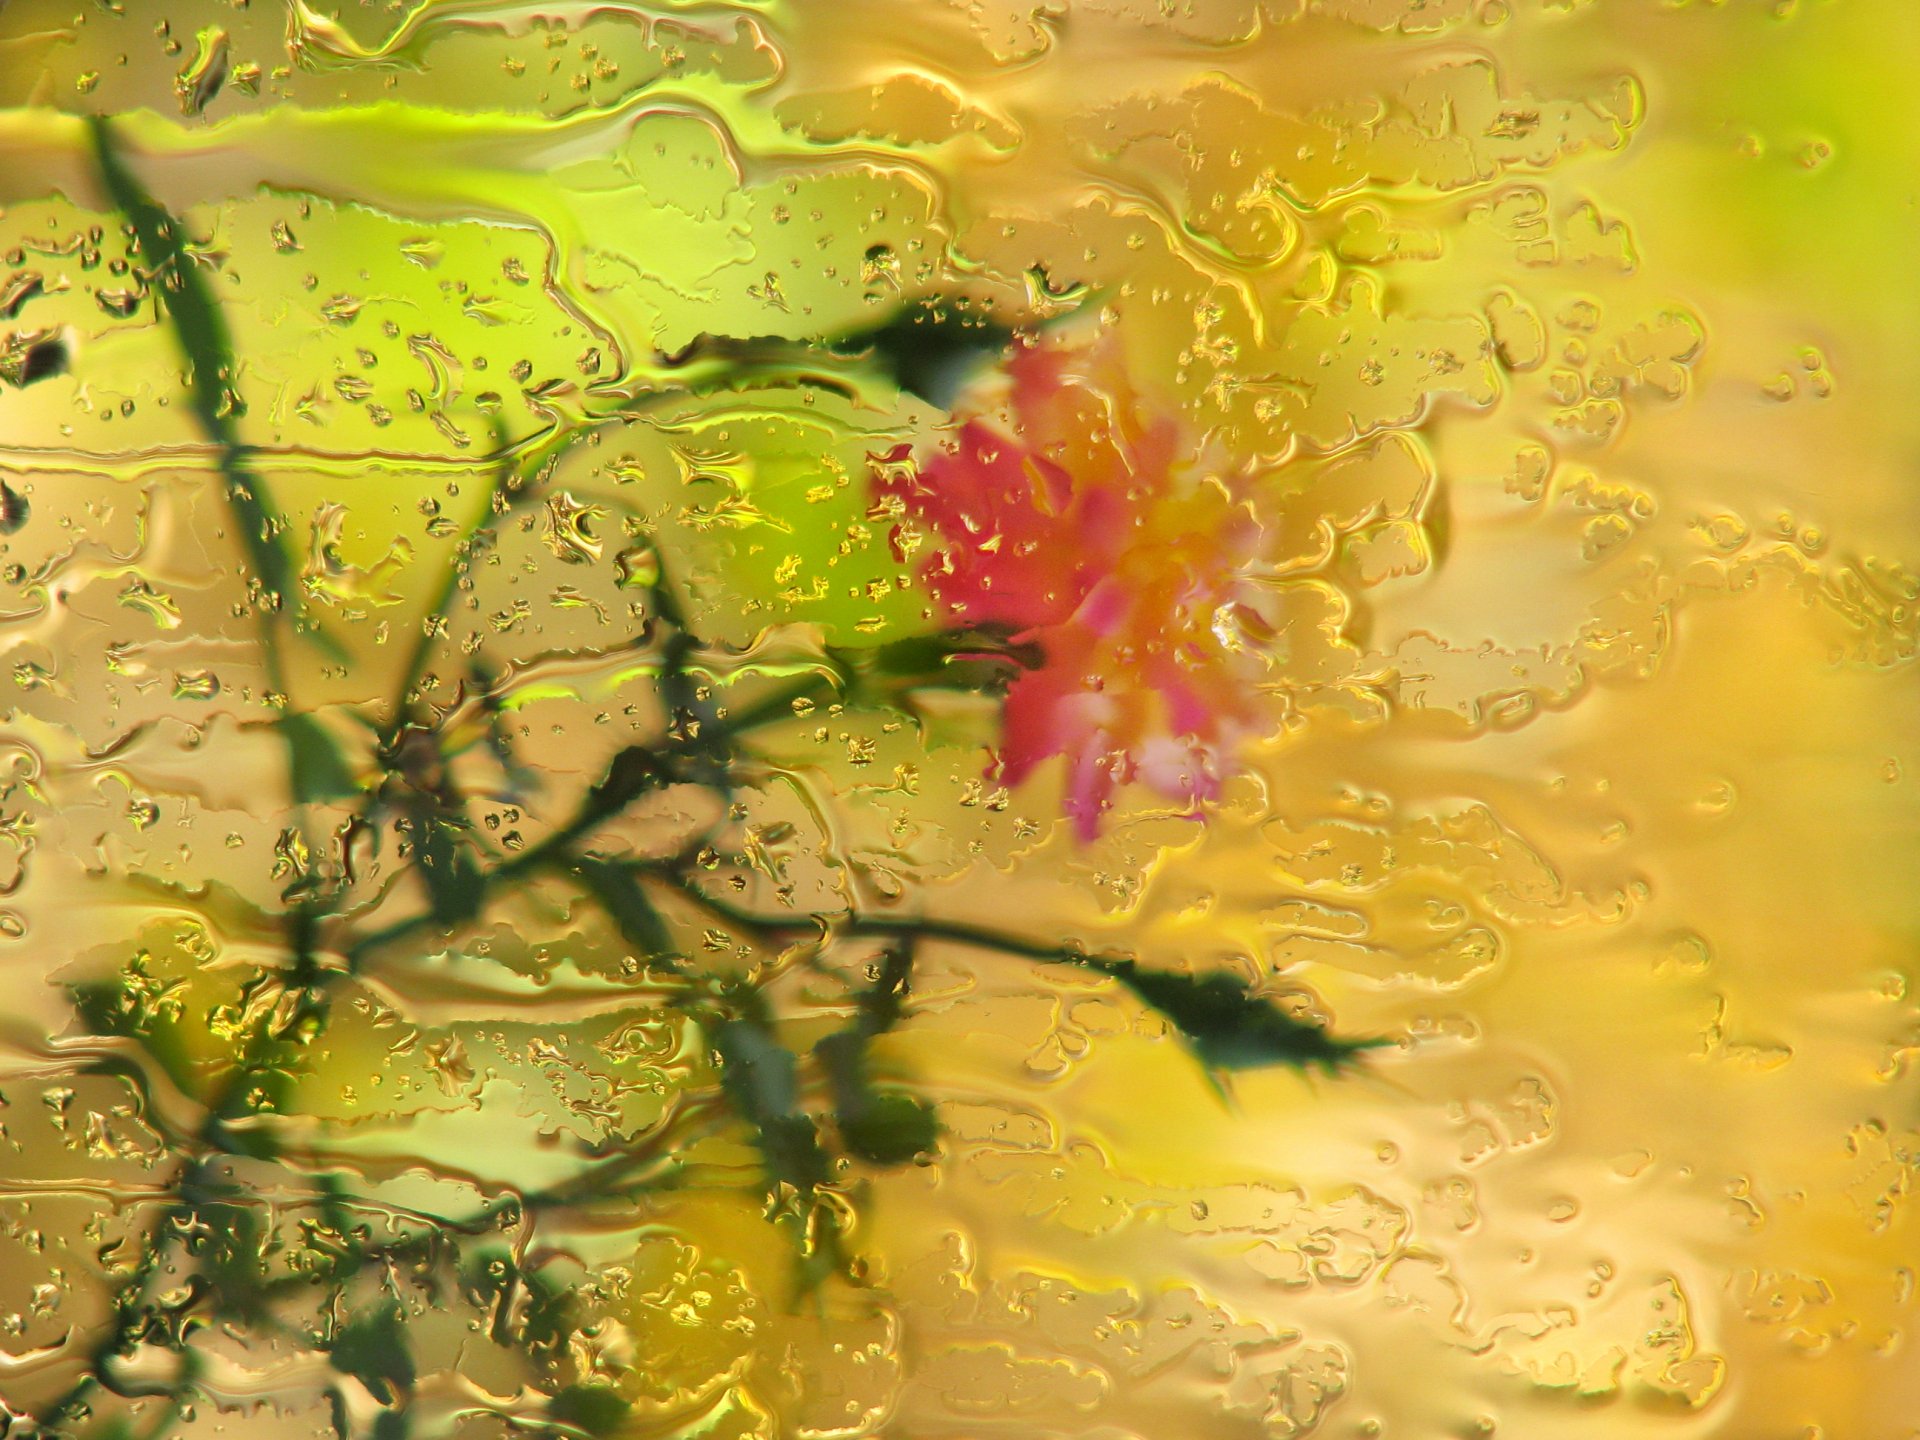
(896,927)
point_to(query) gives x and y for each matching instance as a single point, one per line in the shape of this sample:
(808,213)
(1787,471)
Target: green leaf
(373,1349)
(885,1127)
(884,1001)
(890,1128)
(931,353)
(926,350)
(107,1007)
(627,905)
(486,686)
(551,1316)
(790,1145)
(755,1069)
(635,771)
(455,886)
(980,660)
(319,770)
(38,360)
(599,1410)
(232,1257)
(490,1273)
(758,1075)
(197,321)
(1229,1027)
(207,346)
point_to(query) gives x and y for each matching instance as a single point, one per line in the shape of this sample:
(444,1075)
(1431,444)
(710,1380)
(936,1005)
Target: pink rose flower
(1099,531)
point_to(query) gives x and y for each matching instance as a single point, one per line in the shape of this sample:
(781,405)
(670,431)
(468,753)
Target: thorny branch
(1227,1024)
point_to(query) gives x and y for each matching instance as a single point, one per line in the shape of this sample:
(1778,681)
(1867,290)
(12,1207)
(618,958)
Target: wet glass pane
(955,719)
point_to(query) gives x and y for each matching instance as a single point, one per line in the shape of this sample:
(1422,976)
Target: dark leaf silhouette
(15,510)
(627,905)
(635,771)
(373,1349)
(889,1127)
(455,886)
(884,1127)
(759,1077)
(930,352)
(984,660)
(1230,1027)
(320,772)
(598,1410)
(206,344)
(28,358)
